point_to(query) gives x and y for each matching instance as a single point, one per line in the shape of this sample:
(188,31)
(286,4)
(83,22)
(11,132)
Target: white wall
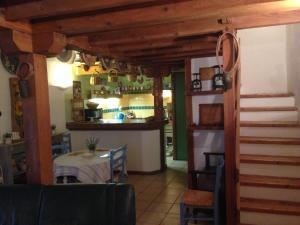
(263,60)
(205,140)
(293,61)
(5,119)
(59,74)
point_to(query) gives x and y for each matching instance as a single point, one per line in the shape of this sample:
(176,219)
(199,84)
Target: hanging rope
(237,48)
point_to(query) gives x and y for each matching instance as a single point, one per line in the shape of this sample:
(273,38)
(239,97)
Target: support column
(230,136)
(158,99)
(36,116)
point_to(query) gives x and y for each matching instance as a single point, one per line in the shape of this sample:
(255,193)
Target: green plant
(91,143)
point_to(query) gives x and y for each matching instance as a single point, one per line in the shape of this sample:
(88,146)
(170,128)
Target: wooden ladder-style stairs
(269,160)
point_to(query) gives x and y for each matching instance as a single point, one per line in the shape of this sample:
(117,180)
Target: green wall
(180,115)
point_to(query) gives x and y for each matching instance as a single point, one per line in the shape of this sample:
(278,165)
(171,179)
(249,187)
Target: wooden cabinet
(13,164)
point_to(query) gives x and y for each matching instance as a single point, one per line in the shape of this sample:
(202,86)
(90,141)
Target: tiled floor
(158,196)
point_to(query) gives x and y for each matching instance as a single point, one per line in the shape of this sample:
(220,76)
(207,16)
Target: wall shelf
(212,92)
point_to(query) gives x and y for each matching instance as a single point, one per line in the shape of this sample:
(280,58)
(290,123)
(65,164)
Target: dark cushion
(19,204)
(125,205)
(77,205)
(106,204)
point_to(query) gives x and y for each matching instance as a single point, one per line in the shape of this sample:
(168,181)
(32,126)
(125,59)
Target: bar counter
(144,139)
(116,124)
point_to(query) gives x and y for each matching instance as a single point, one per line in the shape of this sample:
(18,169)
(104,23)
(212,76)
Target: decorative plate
(10,63)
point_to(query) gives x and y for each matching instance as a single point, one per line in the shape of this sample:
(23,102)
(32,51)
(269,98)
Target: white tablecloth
(85,166)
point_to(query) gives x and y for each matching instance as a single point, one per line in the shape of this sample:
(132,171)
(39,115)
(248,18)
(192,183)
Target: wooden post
(230,137)
(158,99)
(36,113)
(189,114)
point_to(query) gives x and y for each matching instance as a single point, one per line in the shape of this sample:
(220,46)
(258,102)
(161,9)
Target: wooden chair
(63,147)
(66,140)
(200,205)
(205,179)
(118,165)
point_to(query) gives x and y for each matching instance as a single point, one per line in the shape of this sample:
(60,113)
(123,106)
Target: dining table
(88,167)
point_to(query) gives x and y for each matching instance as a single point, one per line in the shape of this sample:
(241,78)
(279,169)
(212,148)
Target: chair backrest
(58,150)
(117,162)
(219,174)
(66,140)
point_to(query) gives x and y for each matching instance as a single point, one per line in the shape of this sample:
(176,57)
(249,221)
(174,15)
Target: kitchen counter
(144,139)
(117,124)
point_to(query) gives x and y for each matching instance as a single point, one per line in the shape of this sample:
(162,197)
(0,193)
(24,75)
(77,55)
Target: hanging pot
(113,76)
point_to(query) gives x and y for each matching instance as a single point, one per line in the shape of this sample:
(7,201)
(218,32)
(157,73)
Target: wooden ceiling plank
(181,11)
(156,33)
(46,8)
(171,51)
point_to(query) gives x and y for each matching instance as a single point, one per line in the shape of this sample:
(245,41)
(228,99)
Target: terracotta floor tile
(166,198)
(171,220)
(151,218)
(175,210)
(142,205)
(146,196)
(159,207)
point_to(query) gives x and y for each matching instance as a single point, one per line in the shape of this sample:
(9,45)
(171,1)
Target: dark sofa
(103,204)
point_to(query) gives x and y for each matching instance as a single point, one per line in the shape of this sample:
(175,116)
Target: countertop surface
(118,124)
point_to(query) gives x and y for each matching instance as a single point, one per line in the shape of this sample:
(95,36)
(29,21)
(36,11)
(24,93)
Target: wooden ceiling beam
(18,26)
(175,55)
(49,44)
(168,42)
(185,48)
(156,33)
(47,8)
(14,42)
(266,20)
(174,12)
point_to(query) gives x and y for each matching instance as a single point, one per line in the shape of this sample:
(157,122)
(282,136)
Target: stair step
(270,140)
(268,102)
(268,109)
(270,193)
(267,95)
(267,159)
(274,170)
(258,218)
(270,124)
(269,181)
(262,114)
(270,206)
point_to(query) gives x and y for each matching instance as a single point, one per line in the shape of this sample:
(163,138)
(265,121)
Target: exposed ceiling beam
(200,46)
(18,26)
(266,20)
(175,55)
(157,32)
(47,8)
(181,11)
(168,42)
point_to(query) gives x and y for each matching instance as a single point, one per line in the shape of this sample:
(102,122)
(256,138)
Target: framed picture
(76,90)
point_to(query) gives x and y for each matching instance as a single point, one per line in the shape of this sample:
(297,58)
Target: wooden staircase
(269,160)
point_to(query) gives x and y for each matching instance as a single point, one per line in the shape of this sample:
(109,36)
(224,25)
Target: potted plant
(91,143)
(7,138)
